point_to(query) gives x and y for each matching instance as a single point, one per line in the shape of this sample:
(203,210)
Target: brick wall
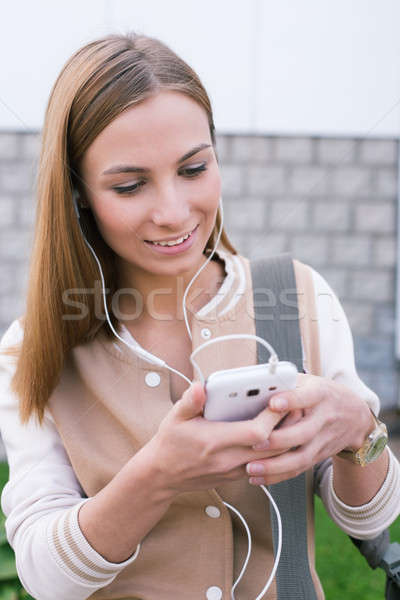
(330,202)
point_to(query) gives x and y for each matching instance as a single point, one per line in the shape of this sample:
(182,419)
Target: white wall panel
(318,67)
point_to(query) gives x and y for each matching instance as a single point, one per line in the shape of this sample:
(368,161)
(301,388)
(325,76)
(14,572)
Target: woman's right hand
(190,453)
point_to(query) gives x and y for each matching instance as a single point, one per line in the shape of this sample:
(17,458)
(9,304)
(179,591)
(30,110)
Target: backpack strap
(277,321)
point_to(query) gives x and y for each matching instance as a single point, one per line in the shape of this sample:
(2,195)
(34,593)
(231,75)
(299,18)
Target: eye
(129,188)
(187,172)
(193,171)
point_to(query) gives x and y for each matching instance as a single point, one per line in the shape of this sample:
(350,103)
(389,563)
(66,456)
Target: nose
(171,209)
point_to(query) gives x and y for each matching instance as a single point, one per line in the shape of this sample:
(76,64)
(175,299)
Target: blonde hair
(96,84)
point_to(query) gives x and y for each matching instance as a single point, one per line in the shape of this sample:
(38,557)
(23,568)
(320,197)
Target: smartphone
(240,394)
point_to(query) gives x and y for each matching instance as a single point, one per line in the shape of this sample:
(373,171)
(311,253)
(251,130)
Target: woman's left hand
(334,418)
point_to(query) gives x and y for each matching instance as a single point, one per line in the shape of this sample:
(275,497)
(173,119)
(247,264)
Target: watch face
(376,448)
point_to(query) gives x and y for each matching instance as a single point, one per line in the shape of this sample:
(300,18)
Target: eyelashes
(189,172)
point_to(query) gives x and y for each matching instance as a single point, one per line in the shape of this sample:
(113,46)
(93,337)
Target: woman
(116,488)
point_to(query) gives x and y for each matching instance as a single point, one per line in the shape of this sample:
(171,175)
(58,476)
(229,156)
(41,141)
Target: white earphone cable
(158,361)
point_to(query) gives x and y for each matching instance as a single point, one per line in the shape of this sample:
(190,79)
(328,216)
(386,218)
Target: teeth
(173,242)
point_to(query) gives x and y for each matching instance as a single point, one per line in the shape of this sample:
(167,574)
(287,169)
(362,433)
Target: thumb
(192,402)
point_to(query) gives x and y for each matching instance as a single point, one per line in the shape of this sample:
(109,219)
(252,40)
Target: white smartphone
(240,394)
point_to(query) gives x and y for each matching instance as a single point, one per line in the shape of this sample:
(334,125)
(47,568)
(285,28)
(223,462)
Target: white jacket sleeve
(337,363)
(41,502)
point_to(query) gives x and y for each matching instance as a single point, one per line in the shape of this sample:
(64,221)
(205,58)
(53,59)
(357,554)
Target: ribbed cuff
(76,556)
(367,520)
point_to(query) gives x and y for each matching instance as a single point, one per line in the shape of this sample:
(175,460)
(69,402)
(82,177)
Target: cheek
(114,225)
(208,194)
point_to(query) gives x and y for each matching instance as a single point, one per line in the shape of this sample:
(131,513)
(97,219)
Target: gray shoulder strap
(277,321)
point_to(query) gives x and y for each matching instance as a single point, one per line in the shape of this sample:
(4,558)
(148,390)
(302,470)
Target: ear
(82,203)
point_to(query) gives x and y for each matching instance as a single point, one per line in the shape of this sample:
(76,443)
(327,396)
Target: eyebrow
(133,169)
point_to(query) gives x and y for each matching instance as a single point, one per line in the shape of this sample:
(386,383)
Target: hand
(191,453)
(334,418)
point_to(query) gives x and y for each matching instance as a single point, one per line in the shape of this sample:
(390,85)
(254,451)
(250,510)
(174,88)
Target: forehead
(162,127)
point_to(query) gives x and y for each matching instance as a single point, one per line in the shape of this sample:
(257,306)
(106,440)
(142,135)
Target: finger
(290,419)
(192,402)
(295,461)
(242,433)
(303,397)
(296,434)
(266,420)
(270,480)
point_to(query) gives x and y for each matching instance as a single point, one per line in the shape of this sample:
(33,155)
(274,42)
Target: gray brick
(7,211)
(376,286)
(336,151)
(26,212)
(246,214)
(293,150)
(360,317)
(332,216)
(375,217)
(384,252)
(7,279)
(351,181)
(239,240)
(251,149)
(386,183)
(310,181)
(311,249)
(375,152)
(223,144)
(8,146)
(336,279)
(266,244)
(350,251)
(232,180)
(15,245)
(385,384)
(30,145)
(289,215)
(12,306)
(375,353)
(16,177)
(22,275)
(266,180)
(385,319)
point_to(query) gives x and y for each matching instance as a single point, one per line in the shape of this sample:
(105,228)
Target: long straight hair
(95,85)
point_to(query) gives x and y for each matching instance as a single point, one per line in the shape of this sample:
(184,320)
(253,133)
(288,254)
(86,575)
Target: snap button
(205,333)
(213,512)
(152,379)
(214,593)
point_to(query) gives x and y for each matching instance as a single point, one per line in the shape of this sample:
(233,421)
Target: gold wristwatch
(372,448)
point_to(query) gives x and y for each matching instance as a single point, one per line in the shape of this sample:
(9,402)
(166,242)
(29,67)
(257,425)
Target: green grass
(344,572)
(10,586)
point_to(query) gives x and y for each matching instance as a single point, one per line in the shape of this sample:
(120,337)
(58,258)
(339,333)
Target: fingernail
(256,481)
(255,468)
(279,403)
(262,445)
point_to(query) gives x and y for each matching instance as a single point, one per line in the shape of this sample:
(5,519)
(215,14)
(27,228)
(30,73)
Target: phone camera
(253,392)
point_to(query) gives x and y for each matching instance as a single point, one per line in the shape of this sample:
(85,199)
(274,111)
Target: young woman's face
(154,194)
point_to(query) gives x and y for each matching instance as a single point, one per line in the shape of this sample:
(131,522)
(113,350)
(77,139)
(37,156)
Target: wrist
(366,424)
(147,463)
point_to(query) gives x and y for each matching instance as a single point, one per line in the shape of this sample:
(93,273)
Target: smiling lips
(174,242)
(174,246)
